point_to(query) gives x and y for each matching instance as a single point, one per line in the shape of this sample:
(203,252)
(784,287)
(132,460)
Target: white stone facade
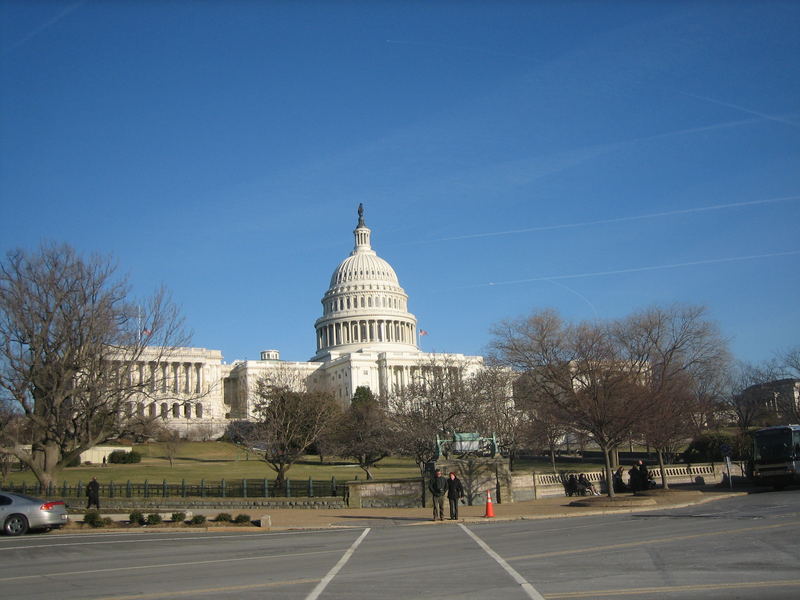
(365,337)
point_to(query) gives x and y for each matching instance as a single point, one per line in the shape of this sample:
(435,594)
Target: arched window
(152,409)
(164,410)
(198,410)
(176,410)
(140,409)
(187,410)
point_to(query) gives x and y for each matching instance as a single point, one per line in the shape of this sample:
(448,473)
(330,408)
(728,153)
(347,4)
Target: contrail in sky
(49,23)
(742,109)
(711,261)
(619,219)
(465,48)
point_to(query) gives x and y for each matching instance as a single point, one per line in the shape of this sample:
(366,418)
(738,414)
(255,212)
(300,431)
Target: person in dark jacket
(93,494)
(455,491)
(619,482)
(633,478)
(646,480)
(572,485)
(438,488)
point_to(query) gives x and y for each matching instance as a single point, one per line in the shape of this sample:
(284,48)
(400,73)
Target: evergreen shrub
(154,519)
(242,519)
(120,457)
(93,519)
(136,518)
(224,518)
(178,517)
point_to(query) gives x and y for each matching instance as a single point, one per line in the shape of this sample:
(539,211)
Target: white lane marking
(166,565)
(529,589)
(336,568)
(236,537)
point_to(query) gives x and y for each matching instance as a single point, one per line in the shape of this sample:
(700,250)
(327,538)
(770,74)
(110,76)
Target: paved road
(744,547)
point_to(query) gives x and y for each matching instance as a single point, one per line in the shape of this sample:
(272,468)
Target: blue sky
(593,157)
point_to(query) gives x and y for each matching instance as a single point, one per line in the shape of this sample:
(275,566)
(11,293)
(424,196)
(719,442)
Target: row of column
(371,330)
(175,377)
(401,377)
(164,412)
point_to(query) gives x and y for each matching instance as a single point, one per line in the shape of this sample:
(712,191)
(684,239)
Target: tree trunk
(553,459)
(45,463)
(664,483)
(609,482)
(280,475)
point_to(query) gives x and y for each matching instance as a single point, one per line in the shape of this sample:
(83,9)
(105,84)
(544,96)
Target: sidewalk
(545,508)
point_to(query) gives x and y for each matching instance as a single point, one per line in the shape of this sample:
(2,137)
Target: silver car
(18,513)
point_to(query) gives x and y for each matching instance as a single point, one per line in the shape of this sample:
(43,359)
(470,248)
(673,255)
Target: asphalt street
(740,547)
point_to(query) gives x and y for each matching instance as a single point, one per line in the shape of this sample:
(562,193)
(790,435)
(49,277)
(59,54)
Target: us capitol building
(365,337)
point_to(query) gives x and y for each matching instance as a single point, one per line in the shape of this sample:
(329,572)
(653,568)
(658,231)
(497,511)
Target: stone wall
(386,493)
(543,485)
(212,503)
(98,453)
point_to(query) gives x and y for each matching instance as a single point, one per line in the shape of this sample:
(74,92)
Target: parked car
(19,513)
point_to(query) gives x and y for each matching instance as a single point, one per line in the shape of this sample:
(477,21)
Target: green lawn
(214,461)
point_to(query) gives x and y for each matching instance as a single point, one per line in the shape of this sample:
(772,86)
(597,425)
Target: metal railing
(233,488)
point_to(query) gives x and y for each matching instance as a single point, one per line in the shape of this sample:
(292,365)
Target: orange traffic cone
(489,507)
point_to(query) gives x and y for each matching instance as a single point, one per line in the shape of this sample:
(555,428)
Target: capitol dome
(364,307)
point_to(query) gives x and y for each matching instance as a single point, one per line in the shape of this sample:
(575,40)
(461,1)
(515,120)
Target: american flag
(423,332)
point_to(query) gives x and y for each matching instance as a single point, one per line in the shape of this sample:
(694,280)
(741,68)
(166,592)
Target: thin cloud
(619,219)
(473,49)
(768,117)
(694,263)
(701,129)
(49,23)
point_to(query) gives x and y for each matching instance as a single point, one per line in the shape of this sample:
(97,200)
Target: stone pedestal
(479,474)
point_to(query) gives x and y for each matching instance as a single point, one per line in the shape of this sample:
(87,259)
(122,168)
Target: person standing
(619,482)
(633,478)
(93,494)
(455,491)
(644,476)
(438,488)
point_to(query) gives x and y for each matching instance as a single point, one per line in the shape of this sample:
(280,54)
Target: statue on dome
(360,214)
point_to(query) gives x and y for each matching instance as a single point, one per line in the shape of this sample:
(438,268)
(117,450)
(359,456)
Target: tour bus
(776,455)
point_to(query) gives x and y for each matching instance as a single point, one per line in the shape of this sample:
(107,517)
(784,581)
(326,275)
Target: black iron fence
(233,488)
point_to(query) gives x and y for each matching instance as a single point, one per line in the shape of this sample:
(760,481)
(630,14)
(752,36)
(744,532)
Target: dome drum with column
(364,307)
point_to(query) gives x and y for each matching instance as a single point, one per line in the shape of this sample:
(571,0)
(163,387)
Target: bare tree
(742,397)
(674,349)
(789,361)
(435,403)
(547,425)
(364,432)
(71,342)
(287,423)
(171,442)
(582,369)
(496,410)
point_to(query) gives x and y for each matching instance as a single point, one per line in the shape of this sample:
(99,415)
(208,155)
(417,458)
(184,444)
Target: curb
(424,521)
